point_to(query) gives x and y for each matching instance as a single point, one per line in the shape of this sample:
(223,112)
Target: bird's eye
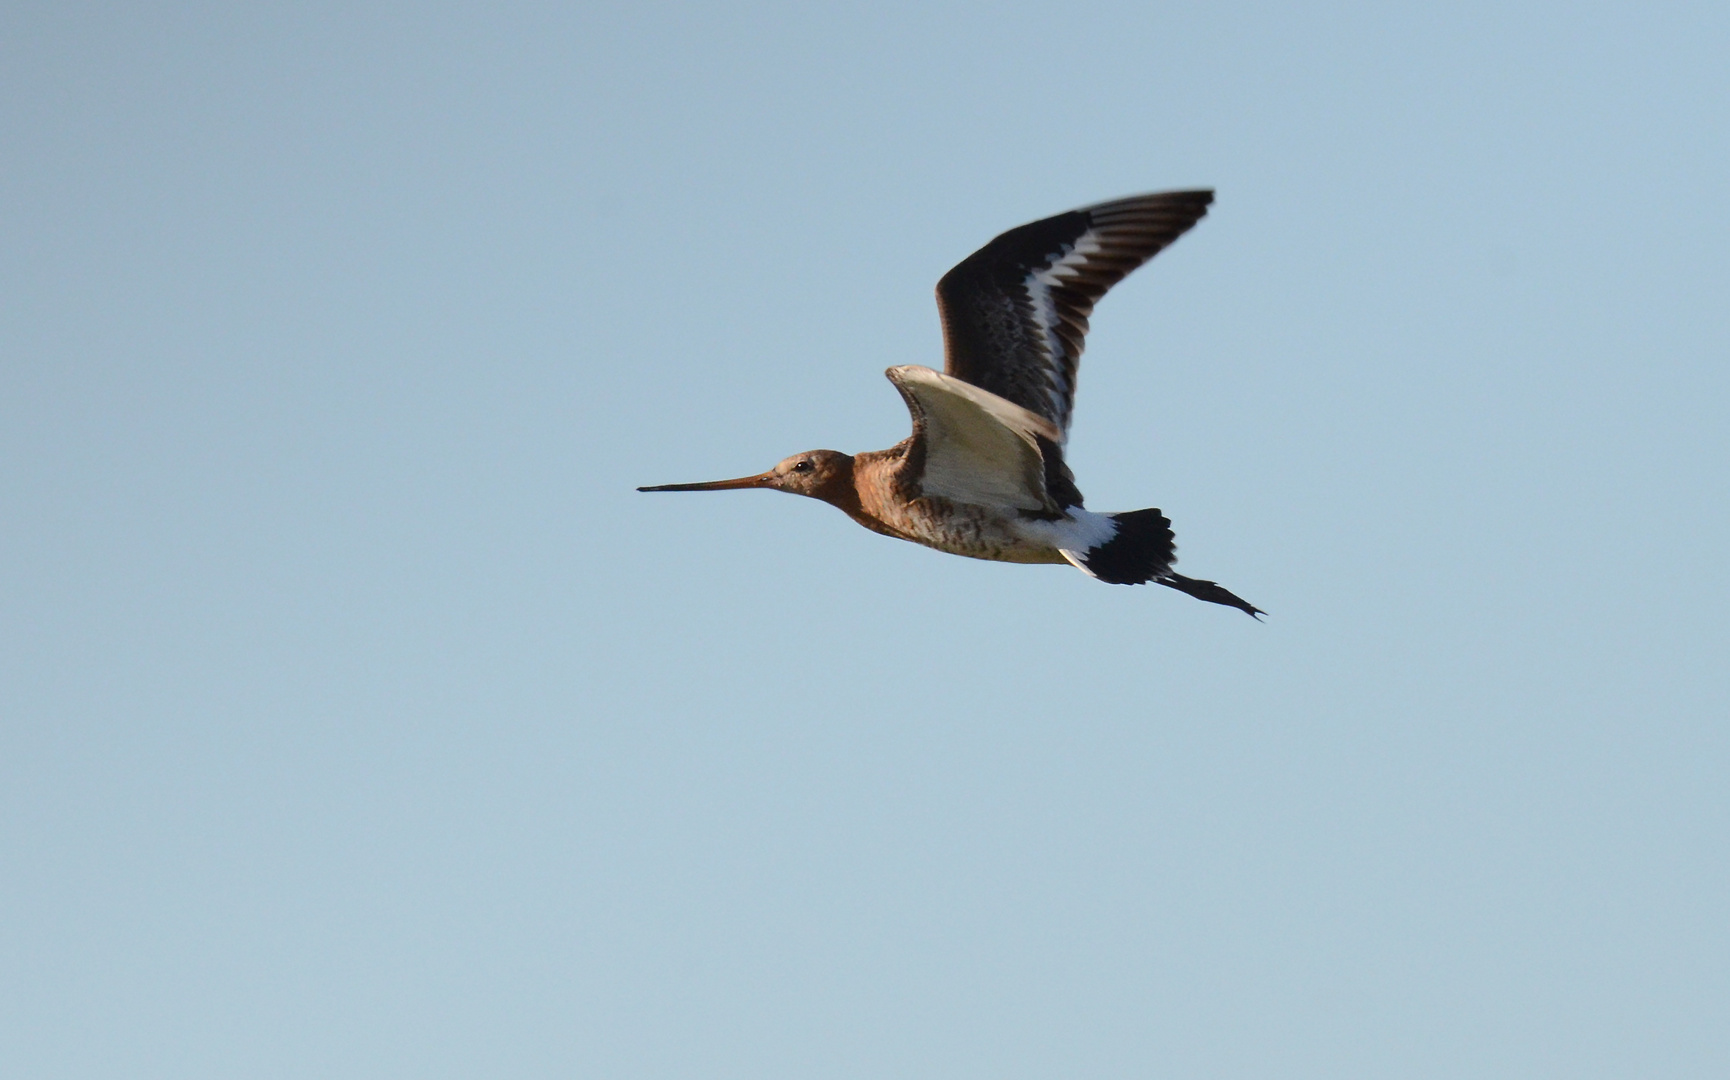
(801,466)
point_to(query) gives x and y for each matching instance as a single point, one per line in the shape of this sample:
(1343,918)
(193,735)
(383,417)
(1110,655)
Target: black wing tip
(995,334)
(1202,197)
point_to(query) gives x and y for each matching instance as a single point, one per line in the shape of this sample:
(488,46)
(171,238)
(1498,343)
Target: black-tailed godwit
(983,474)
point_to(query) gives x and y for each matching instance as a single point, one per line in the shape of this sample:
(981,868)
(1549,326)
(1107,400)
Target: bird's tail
(1141,550)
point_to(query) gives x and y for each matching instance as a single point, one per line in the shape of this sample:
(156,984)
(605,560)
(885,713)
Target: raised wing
(1015,311)
(977,447)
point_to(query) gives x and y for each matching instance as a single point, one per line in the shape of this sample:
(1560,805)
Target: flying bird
(983,473)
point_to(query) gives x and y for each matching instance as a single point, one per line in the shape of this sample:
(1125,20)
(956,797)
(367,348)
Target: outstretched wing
(1015,311)
(977,448)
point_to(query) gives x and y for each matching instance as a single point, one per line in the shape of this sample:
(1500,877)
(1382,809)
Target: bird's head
(817,474)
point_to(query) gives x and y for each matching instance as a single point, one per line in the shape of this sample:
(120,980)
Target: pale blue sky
(358,719)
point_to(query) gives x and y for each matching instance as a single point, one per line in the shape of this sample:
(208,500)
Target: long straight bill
(760,480)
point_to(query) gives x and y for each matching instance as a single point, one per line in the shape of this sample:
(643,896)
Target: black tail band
(1141,549)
